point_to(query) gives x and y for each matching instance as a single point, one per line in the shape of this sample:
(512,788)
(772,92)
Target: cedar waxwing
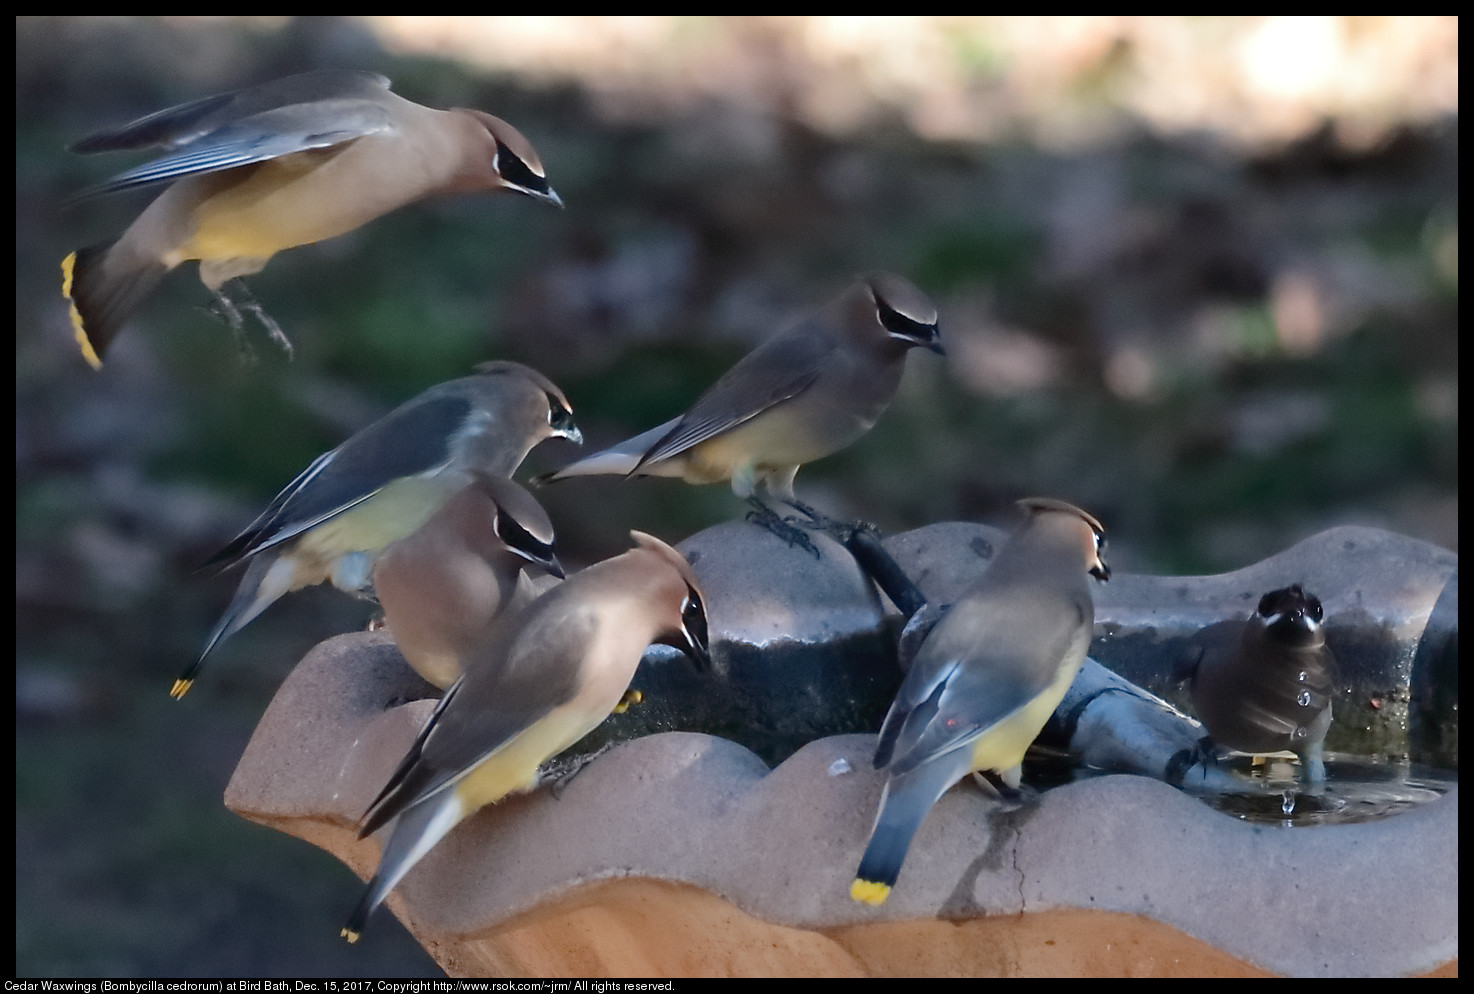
(808,391)
(382,484)
(1264,685)
(550,673)
(443,586)
(270,167)
(986,678)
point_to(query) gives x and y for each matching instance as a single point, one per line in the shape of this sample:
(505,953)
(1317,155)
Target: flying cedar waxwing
(550,673)
(444,585)
(986,678)
(270,167)
(382,484)
(807,392)
(1264,685)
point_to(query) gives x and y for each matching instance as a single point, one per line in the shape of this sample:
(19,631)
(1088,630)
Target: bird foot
(560,772)
(629,700)
(229,311)
(841,531)
(789,530)
(1011,795)
(1202,755)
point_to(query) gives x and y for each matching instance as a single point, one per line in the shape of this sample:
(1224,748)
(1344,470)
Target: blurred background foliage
(1199,275)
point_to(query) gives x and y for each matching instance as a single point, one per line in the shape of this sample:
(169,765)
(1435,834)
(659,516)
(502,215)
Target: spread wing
(307,111)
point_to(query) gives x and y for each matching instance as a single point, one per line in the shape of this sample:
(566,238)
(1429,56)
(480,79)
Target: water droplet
(1300,732)
(1288,804)
(1304,699)
(1304,676)
(839,767)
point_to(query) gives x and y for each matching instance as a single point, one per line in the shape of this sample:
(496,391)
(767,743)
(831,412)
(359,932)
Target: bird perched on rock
(549,674)
(807,392)
(273,166)
(444,585)
(986,678)
(331,523)
(1264,685)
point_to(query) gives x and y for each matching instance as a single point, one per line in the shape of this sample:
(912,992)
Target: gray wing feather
(968,676)
(778,370)
(408,441)
(270,135)
(177,126)
(501,695)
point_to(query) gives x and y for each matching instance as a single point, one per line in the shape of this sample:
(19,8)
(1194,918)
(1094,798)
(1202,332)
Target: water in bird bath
(1356,789)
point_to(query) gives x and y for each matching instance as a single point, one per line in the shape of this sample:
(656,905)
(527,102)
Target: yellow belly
(514,768)
(397,510)
(1002,747)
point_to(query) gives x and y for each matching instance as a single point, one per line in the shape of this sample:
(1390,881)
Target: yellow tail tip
(79,332)
(869,891)
(349,934)
(180,688)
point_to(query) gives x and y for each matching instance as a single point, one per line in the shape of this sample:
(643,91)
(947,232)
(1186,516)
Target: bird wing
(1205,646)
(412,440)
(524,672)
(778,370)
(313,110)
(973,674)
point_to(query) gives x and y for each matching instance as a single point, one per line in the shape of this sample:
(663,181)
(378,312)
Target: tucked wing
(973,673)
(517,683)
(778,370)
(308,111)
(410,440)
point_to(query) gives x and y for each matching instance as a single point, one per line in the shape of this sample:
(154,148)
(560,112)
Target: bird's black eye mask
(1291,598)
(693,618)
(1102,571)
(559,417)
(900,325)
(522,541)
(517,172)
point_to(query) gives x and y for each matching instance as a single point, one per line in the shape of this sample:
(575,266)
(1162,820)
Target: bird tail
(903,806)
(260,587)
(103,291)
(353,928)
(607,463)
(416,831)
(617,460)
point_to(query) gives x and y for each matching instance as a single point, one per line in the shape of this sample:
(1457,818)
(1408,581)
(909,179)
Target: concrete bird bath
(727,848)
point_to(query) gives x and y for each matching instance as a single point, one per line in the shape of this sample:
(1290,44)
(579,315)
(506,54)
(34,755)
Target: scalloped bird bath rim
(683,854)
